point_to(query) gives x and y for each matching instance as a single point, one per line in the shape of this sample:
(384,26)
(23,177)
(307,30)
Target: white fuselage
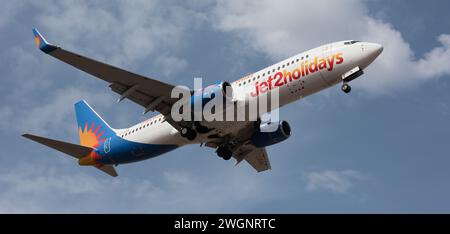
(293,78)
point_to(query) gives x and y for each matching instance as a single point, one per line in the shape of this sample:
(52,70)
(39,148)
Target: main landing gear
(224,152)
(346,88)
(189,133)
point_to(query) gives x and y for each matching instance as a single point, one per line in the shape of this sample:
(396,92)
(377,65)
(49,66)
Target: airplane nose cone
(375,49)
(370,52)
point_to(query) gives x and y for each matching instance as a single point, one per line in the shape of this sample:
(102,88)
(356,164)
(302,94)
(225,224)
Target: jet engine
(271,133)
(207,94)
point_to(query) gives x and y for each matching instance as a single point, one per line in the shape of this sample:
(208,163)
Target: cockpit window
(350,42)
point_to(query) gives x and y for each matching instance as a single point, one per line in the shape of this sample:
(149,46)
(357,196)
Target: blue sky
(382,148)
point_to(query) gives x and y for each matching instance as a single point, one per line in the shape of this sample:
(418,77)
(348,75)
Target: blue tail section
(93,130)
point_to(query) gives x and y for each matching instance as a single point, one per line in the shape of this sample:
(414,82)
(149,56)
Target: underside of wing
(152,94)
(256,157)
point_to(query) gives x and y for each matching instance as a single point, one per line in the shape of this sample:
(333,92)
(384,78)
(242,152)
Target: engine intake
(271,133)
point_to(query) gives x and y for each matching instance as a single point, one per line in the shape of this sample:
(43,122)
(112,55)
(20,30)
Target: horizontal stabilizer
(108,169)
(76,151)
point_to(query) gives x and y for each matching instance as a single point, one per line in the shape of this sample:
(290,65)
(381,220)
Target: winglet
(41,43)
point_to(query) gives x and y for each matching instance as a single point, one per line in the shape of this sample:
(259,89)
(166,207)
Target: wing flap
(256,157)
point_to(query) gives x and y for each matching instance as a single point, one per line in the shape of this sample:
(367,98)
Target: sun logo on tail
(90,137)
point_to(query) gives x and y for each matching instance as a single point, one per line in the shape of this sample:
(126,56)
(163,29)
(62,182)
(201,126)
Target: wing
(256,157)
(153,95)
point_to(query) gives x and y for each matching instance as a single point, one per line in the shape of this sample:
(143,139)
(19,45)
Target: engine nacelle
(271,133)
(207,94)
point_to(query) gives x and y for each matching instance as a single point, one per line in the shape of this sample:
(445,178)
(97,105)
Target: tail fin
(92,129)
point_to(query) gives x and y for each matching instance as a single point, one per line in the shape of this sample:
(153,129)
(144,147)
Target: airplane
(294,78)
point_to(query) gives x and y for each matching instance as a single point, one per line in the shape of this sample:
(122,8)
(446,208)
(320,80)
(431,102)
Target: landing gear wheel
(201,129)
(228,157)
(346,88)
(224,152)
(188,133)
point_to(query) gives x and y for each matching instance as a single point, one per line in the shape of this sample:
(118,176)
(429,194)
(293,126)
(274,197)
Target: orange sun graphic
(90,137)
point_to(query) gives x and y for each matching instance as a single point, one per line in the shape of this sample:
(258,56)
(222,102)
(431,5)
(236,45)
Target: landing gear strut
(346,88)
(224,152)
(189,133)
(200,128)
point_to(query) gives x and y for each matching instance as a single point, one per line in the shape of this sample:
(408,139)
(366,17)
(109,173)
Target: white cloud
(169,65)
(51,114)
(334,181)
(37,188)
(436,62)
(121,32)
(283,28)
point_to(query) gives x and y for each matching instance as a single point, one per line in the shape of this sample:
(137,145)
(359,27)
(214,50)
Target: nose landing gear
(349,76)
(346,88)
